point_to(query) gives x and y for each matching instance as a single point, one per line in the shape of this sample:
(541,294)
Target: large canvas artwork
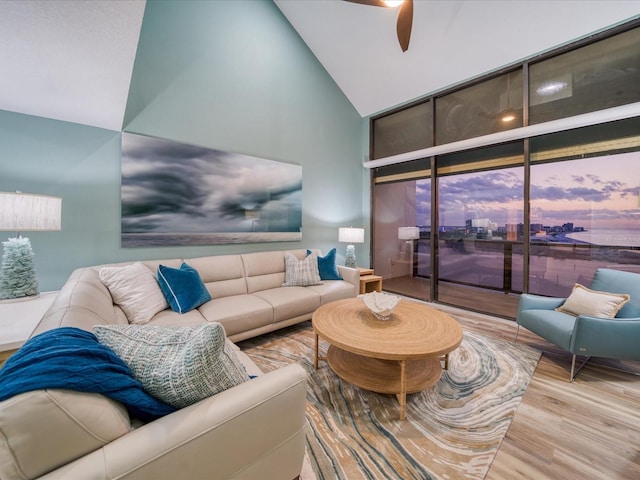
(178,194)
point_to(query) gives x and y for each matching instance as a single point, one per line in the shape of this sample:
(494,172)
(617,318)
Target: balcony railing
(499,264)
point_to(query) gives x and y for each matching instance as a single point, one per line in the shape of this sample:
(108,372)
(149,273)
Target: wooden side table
(18,319)
(370,283)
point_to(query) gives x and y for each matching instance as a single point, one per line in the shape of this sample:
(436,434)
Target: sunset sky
(594,193)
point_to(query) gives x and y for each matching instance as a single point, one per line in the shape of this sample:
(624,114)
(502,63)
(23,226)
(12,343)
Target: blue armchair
(583,335)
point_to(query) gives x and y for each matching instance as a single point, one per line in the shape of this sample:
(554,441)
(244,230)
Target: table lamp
(24,212)
(409,234)
(350,235)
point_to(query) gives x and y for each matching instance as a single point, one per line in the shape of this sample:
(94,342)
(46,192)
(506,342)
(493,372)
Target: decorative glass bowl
(381,304)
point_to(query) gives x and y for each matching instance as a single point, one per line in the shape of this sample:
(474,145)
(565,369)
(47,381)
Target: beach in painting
(175,194)
(132,240)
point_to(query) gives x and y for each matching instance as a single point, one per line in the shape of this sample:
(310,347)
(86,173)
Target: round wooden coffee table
(396,356)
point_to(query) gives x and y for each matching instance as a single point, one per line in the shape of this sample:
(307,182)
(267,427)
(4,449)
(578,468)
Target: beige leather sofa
(248,298)
(255,430)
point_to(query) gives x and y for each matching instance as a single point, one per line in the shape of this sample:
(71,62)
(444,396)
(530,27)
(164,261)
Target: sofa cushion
(332,290)
(135,290)
(301,272)
(290,302)
(327,266)
(583,301)
(264,270)
(178,365)
(238,313)
(170,318)
(182,287)
(223,275)
(44,429)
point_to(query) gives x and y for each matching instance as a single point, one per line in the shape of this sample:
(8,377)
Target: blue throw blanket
(73,359)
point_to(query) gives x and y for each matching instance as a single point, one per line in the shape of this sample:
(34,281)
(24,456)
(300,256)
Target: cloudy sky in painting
(174,187)
(593,193)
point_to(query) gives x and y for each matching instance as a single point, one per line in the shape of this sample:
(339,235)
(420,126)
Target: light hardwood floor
(476,299)
(587,429)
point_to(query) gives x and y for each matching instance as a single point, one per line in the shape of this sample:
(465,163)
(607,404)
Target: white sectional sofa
(255,430)
(248,298)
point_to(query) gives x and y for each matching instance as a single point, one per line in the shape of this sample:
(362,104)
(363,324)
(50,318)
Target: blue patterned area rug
(452,431)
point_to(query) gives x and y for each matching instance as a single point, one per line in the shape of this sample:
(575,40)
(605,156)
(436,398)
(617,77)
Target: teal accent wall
(227,75)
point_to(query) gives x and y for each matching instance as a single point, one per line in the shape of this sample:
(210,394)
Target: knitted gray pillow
(301,272)
(178,365)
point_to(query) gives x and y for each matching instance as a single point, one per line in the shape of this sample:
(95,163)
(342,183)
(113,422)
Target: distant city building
(484,228)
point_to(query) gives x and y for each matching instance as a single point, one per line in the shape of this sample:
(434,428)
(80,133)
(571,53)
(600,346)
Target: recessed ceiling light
(393,3)
(550,88)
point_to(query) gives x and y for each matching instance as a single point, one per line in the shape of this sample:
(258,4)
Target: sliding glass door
(402,228)
(480,214)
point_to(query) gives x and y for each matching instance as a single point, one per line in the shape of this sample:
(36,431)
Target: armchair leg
(574,372)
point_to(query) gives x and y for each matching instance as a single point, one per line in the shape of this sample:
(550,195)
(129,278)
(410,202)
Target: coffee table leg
(402,397)
(316,357)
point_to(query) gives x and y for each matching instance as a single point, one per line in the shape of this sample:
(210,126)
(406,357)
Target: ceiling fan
(405,17)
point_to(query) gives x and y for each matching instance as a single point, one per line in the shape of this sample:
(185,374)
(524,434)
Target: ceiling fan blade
(405,22)
(373,3)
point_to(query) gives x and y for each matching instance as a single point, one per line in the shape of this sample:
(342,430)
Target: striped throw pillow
(301,272)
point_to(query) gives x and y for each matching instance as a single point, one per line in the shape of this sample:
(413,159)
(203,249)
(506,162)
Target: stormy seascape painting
(178,194)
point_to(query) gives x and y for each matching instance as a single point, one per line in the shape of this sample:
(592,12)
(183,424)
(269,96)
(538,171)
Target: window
(403,131)
(557,206)
(491,106)
(602,75)
(585,205)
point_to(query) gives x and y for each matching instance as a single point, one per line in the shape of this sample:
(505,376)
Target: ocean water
(612,237)
(132,240)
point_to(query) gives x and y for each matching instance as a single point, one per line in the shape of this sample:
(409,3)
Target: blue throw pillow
(327,266)
(182,287)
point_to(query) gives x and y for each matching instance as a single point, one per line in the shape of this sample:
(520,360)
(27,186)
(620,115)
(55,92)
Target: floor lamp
(350,235)
(21,212)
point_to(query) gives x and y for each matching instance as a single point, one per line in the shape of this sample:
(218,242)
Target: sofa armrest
(351,275)
(253,430)
(606,337)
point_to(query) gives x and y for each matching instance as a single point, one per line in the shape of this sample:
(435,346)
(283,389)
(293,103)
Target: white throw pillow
(584,301)
(178,365)
(135,289)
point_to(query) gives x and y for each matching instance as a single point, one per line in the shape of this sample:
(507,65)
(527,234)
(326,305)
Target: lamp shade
(351,235)
(21,212)
(408,233)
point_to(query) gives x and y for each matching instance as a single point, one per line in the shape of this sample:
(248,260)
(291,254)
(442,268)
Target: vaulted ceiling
(68,60)
(72,60)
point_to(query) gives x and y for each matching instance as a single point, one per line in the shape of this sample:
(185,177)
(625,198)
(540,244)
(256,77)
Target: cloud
(482,188)
(172,187)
